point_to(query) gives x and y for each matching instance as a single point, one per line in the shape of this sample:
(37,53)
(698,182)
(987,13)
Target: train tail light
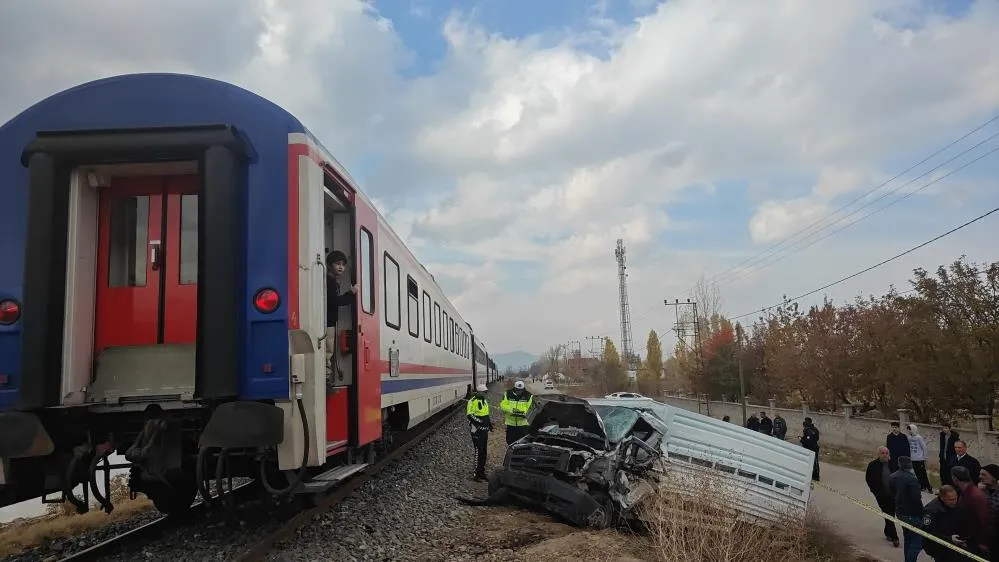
(266,300)
(10,312)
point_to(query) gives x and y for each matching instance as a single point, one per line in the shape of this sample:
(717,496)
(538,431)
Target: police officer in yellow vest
(515,405)
(480,424)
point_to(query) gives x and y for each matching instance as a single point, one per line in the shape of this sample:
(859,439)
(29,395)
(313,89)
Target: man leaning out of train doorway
(336,265)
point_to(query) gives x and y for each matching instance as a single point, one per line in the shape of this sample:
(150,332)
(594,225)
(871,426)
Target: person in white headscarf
(917,452)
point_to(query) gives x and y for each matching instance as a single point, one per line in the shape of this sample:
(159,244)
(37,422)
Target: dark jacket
(753,423)
(973,515)
(940,521)
(898,446)
(908,497)
(971,463)
(334,300)
(810,438)
(780,427)
(766,425)
(875,482)
(947,453)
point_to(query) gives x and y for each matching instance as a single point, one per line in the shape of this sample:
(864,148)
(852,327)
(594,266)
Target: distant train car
(163,295)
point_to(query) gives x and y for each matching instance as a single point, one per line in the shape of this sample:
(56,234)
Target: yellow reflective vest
(514,409)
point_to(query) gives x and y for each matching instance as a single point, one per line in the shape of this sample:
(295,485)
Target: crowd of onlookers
(965,511)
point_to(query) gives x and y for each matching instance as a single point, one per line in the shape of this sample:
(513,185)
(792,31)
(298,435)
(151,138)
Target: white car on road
(627,395)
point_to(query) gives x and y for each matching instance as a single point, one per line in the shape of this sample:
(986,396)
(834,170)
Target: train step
(330,478)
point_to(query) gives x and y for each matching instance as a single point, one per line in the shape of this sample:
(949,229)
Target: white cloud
(547,148)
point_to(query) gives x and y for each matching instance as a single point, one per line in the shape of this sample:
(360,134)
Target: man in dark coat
(780,427)
(908,505)
(877,477)
(972,511)
(962,458)
(947,455)
(753,423)
(810,440)
(898,445)
(766,424)
(336,266)
(940,520)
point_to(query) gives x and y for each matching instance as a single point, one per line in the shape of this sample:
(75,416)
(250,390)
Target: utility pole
(742,380)
(681,326)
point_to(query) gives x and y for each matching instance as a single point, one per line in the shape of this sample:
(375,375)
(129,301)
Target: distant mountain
(514,360)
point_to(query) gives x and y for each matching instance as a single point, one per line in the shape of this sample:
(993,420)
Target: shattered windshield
(618,421)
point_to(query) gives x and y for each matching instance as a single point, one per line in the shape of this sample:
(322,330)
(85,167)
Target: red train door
(369,363)
(147,262)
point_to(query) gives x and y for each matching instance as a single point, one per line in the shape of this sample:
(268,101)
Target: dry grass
(692,519)
(62,521)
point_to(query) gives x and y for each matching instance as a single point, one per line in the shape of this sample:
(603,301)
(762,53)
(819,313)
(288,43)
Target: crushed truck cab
(593,461)
(588,464)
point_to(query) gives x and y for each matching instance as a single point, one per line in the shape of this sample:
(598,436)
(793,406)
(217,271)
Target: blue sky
(510,143)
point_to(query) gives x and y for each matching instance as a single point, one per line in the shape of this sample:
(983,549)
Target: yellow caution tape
(904,525)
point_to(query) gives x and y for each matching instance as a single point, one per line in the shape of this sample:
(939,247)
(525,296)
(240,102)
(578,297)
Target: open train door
(369,365)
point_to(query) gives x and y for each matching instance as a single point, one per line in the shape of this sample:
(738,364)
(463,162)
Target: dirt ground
(500,533)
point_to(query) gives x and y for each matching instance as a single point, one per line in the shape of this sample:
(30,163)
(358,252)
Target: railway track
(266,545)
(287,530)
(145,532)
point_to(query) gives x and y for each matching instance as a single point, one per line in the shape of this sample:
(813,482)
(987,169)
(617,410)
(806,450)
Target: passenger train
(162,296)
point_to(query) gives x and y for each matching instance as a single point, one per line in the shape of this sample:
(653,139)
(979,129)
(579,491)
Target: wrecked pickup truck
(592,461)
(588,464)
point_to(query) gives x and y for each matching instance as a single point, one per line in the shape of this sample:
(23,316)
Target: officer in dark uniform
(940,521)
(480,424)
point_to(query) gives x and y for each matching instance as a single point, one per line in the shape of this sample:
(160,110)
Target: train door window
(188,239)
(450,334)
(393,310)
(413,306)
(367,272)
(129,235)
(437,324)
(428,335)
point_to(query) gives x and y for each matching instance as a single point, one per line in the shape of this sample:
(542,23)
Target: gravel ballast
(392,516)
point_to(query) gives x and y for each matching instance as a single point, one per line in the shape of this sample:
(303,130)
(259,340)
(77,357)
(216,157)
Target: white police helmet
(481,388)
(519,385)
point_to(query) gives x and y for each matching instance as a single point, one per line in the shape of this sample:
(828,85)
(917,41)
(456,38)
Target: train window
(129,236)
(188,239)
(367,272)
(428,335)
(437,324)
(393,308)
(413,306)
(450,333)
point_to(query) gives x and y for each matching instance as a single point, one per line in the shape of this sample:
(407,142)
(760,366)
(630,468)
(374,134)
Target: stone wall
(847,430)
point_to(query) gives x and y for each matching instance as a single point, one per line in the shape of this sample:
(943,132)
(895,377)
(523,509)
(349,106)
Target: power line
(874,212)
(875,266)
(852,201)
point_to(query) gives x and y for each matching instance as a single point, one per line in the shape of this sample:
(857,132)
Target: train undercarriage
(173,457)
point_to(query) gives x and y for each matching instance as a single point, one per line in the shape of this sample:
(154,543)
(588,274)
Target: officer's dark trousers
(815,465)
(480,440)
(888,506)
(515,432)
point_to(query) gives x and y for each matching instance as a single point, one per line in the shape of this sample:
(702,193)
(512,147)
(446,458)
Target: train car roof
(150,100)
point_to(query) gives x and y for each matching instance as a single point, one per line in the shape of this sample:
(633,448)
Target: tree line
(931,349)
